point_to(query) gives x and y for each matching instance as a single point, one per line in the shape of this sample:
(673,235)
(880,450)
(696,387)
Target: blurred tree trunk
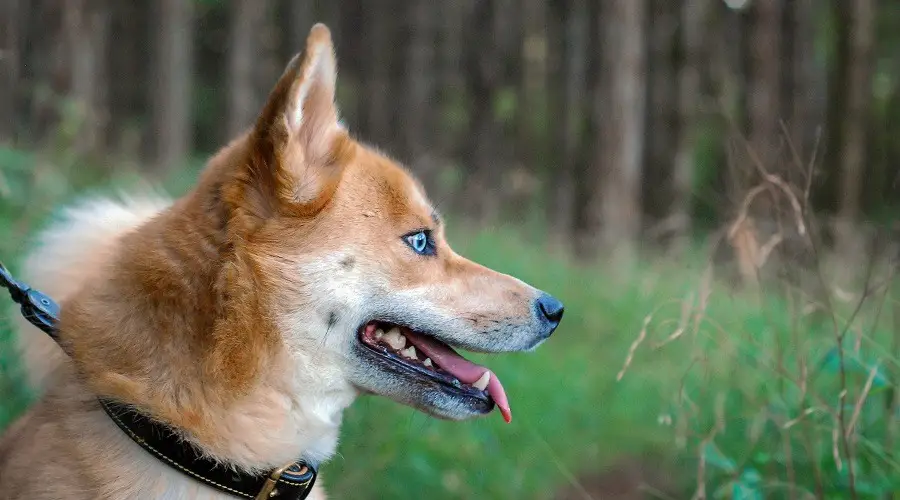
(87,26)
(532,132)
(617,182)
(99,21)
(268,65)
(174,70)
(836,111)
(557,13)
(586,217)
(378,96)
(514,163)
(43,41)
(352,52)
(568,60)
(420,106)
(729,77)
(800,92)
(10,58)
(662,124)
(859,93)
(764,90)
(856,121)
(483,74)
(452,17)
(694,18)
(329,12)
(248,21)
(128,88)
(300,18)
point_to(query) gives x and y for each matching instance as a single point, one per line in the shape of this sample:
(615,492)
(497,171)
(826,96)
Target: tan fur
(213,314)
(66,255)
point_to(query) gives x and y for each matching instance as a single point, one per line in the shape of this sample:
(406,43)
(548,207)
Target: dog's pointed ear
(298,135)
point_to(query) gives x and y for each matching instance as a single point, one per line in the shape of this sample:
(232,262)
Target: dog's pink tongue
(461,368)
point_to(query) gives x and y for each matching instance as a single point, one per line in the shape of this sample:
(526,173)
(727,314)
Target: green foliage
(766,395)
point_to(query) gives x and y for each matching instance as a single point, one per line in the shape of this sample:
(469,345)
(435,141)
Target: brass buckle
(269,487)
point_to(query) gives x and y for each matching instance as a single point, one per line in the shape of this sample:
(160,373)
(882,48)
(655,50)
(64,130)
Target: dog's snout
(550,311)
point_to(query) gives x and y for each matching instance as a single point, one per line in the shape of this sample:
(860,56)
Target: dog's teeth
(379,333)
(409,353)
(395,339)
(456,383)
(481,384)
(427,362)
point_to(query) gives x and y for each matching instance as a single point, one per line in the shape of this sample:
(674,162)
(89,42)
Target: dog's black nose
(550,310)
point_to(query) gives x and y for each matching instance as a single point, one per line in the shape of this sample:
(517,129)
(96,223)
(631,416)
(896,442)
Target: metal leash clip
(39,309)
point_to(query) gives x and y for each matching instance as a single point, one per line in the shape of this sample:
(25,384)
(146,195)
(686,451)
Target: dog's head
(352,263)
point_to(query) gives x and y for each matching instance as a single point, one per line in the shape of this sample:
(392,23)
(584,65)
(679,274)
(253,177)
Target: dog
(303,269)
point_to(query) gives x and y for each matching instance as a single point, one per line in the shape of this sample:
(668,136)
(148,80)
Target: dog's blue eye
(421,243)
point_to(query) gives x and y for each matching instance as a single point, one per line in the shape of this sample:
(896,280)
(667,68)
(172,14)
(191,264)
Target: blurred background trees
(616,123)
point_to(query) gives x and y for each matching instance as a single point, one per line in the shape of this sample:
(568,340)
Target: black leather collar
(294,481)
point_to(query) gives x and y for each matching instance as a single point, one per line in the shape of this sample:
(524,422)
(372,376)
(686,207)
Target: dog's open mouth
(431,358)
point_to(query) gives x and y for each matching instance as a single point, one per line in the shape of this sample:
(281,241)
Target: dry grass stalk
(634,346)
(862,398)
(686,307)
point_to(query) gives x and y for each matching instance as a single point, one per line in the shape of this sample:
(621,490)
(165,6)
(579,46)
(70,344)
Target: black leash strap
(293,481)
(39,309)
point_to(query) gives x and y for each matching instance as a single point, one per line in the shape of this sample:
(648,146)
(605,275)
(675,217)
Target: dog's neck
(175,325)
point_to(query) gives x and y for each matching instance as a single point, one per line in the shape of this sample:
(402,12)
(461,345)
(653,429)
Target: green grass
(723,390)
